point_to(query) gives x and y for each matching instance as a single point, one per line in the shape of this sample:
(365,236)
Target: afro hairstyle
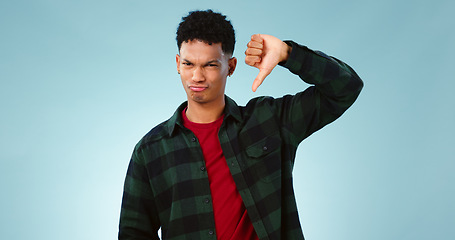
(209,27)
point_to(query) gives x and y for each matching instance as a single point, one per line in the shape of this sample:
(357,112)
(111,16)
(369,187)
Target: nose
(198,75)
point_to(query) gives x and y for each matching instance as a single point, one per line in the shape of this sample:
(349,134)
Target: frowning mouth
(197,88)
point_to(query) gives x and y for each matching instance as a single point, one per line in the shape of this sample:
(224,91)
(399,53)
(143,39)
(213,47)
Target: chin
(197,98)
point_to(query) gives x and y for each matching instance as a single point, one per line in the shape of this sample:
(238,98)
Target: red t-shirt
(231,219)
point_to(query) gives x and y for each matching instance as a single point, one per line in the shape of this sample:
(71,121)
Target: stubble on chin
(197,97)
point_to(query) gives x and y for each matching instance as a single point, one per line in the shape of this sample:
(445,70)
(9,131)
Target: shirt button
(193,139)
(207,201)
(265,148)
(211,232)
(202,168)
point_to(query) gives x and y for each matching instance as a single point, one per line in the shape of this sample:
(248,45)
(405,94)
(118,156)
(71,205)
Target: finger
(257,38)
(254,44)
(253,51)
(260,78)
(252,60)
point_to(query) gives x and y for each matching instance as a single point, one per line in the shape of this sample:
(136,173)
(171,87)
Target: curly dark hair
(209,27)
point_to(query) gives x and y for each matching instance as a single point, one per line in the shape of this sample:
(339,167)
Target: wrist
(286,52)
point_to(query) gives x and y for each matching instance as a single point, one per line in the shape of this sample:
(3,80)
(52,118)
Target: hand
(265,52)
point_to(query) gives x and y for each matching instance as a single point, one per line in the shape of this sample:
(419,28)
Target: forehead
(201,50)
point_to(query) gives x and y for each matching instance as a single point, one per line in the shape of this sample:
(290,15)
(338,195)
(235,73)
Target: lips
(197,88)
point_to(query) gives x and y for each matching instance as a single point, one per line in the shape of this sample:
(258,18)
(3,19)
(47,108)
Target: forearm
(334,78)
(336,87)
(138,216)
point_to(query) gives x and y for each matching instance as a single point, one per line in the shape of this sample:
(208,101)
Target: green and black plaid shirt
(167,185)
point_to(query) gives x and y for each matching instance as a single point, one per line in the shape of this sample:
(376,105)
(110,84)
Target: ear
(177,61)
(232,64)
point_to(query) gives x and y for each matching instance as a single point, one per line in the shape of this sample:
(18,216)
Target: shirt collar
(230,110)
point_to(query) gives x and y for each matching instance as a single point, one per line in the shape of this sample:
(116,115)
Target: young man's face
(203,69)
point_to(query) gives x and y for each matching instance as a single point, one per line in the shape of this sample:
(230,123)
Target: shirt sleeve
(138,217)
(335,87)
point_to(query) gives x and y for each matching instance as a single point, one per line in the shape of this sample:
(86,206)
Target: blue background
(83,81)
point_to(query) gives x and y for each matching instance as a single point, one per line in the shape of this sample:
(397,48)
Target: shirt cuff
(296,57)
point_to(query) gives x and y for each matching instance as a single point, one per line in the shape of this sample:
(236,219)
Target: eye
(187,63)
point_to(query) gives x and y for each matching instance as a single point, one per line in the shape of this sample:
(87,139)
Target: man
(216,170)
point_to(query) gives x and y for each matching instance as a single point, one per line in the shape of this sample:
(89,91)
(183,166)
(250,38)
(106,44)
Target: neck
(204,113)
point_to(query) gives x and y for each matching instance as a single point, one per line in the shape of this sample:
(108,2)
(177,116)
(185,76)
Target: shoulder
(253,106)
(260,111)
(263,103)
(162,131)
(259,102)
(156,134)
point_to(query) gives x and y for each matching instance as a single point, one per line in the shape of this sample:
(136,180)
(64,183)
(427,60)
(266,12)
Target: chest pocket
(264,158)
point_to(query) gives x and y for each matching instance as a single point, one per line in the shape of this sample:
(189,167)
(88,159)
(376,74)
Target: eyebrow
(208,62)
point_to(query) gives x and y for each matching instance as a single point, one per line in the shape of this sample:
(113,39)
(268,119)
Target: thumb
(263,73)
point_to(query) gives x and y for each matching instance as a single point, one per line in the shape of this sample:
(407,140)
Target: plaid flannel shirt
(167,187)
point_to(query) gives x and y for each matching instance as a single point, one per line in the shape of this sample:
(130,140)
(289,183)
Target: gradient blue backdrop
(83,81)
